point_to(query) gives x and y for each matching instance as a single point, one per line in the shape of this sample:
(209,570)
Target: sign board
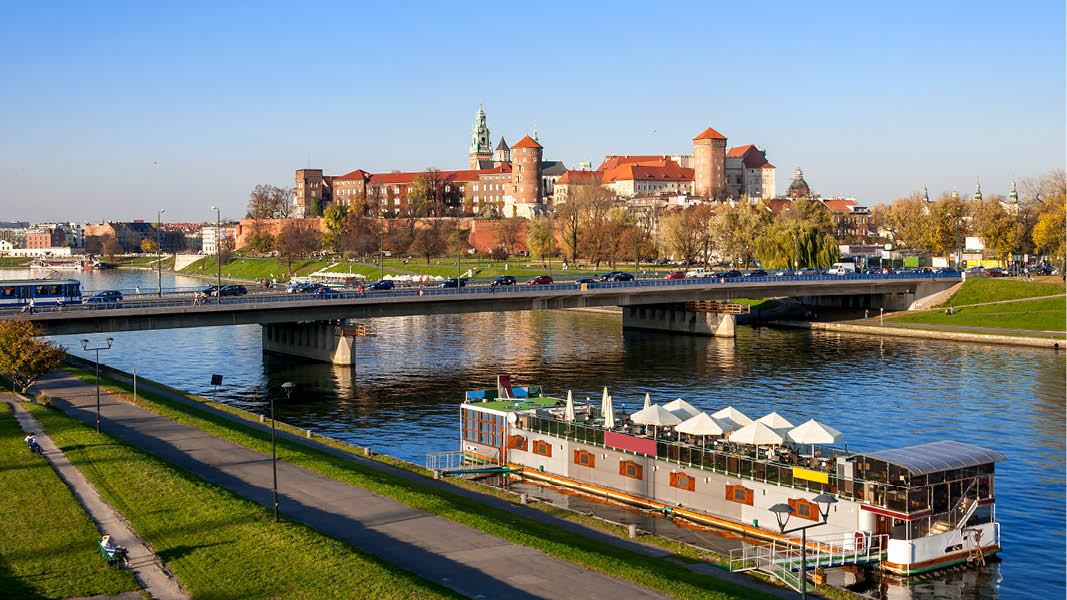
(816,476)
(216,380)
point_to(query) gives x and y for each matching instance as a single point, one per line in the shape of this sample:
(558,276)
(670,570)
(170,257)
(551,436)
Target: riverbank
(934,334)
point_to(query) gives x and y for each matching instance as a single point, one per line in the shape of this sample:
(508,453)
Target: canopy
(732,414)
(655,415)
(775,421)
(648,400)
(682,409)
(701,424)
(814,432)
(609,413)
(568,413)
(937,456)
(756,434)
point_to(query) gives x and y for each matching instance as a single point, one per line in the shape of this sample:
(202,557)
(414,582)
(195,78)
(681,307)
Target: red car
(540,280)
(676,275)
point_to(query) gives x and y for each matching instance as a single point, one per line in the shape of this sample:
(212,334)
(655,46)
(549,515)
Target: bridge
(648,304)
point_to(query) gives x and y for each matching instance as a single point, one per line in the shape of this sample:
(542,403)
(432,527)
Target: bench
(112,559)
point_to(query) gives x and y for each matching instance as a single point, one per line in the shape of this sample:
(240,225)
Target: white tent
(733,415)
(655,415)
(604,401)
(814,432)
(568,413)
(775,421)
(756,434)
(701,424)
(609,414)
(682,409)
(648,400)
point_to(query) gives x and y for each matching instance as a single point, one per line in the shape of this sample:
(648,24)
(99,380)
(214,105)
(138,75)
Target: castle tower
(526,171)
(709,158)
(480,146)
(502,154)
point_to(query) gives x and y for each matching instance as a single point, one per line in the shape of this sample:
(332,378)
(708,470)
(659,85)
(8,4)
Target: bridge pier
(671,317)
(322,341)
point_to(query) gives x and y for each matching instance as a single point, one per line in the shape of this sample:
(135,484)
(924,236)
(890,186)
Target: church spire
(926,194)
(535,133)
(1014,196)
(978,191)
(480,134)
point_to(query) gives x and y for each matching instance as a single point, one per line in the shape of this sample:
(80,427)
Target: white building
(748,173)
(208,236)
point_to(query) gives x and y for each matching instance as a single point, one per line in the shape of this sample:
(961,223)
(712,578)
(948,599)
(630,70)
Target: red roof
(710,134)
(448,176)
(777,205)
(663,170)
(357,174)
(739,152)
(841,206)
(612,161)
(526,142)
(580,177)
(750,156)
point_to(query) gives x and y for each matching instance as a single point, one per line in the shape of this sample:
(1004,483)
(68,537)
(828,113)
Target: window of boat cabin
(542,448)
(683,482)
(804,510)
(586,459)
(628,468)
(517,442)
(483,428)
(739,494)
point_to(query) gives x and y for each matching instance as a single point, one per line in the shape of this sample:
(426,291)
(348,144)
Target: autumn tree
(680,234)
(109,245)
(432,194)
(335,219)
(259,237)
(539,237)
(595,204)
(734,232)
(508,232)
(568,224)
(25,355)
(269,202)
(296,240)
(944,229)
(360,235)
(399,235)
(428,242)
(149,246)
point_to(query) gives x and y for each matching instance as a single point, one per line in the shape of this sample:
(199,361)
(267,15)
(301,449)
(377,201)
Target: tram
(43,292)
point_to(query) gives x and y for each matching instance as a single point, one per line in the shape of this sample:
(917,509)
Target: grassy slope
(255,268)
(218,544)
(1046,314)
(47,542)
(14,261)
(976,291)
(664,575)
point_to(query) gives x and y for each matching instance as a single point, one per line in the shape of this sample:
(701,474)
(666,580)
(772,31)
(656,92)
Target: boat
(72,264)
(906,510)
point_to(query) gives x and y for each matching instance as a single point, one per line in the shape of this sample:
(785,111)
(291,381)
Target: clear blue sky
(112,110)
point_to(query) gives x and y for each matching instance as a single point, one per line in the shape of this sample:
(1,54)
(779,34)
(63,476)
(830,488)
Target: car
(807,272)
(607,276)
(619,276)
(946,272)
(585,280)
(730,273)
(756,273)
(540,280)
(295,288)
(675,275)
(382,284)
(233,290)
(107,296)
(996,272)
(210,290)
(452,282)
(502,280)
(327,292)
(783,273)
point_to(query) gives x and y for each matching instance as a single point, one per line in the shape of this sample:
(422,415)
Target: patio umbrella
(701,425)
(568,413)
(733,415)
(609,413)
(648,400)
(605,402)
(813,432)
(756,434)
(682,409)
(775,421)
(655,415)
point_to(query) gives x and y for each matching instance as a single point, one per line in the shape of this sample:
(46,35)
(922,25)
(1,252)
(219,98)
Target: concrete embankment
(935,334)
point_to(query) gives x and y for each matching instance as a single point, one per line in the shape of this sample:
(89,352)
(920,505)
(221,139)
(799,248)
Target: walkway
(470,562)
(146,566)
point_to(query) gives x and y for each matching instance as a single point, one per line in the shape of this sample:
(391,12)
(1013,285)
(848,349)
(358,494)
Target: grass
(1045,336)
(662,574)
(47,542)
(217,543)
(254,268)
(15,261)
(977,291)
(756,303)
(1048,314)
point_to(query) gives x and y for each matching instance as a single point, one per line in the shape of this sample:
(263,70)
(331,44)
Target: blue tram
(44,292)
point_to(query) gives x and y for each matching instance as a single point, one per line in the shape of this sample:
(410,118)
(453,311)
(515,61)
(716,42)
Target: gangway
(781,558)
(463,463)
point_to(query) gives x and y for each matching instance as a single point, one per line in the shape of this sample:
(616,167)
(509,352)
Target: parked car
(607,276)
(382,284)
(586,280)
(106,296)
(730,273)
(619,276)
(996,272)
(675,275)
(807,271)
(233,290)
(946,272)
(540,280)
(503,280)
(295,288)
(452,282)
(782,273)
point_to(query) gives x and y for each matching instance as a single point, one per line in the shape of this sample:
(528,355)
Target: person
(196,299)
(113,549)
(59,305)
(866,313)
(360,290)
(29,307)
(31,441)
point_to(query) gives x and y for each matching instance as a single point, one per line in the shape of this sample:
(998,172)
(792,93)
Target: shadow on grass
(185,550)
(13,586)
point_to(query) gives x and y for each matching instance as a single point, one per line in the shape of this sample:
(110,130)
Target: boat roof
(516,404)
(934,457)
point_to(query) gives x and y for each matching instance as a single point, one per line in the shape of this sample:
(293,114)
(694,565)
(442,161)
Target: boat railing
(783,557)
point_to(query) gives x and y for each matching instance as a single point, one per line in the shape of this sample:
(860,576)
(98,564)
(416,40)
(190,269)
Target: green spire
(480,134)
(926,194)
(978,191)
(1014,197)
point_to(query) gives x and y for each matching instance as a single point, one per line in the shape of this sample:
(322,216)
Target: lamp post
(97,348)
(218,252)
(288,387)
(782,512)
(381,245)
(159,249)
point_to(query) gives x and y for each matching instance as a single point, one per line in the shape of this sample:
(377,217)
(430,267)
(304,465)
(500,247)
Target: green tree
(335,219)
(314,207)
(25,355)
(803,243)
(259,238)
(296,240)
(539,237)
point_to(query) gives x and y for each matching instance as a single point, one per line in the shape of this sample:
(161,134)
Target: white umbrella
(604,401)
(732,415)
(648,400)
(701,424)
(814,432)
(656,416)
(756,434)
(775,421)
(682,409)
(609,414)
(568,413)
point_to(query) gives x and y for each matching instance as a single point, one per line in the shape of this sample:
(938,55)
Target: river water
(402,397)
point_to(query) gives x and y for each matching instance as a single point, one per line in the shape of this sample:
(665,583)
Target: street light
(218,252)
(782,512)
(159,249)
(97,348)
(288,387)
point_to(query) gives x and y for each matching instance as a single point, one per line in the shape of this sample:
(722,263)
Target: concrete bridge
(649,304)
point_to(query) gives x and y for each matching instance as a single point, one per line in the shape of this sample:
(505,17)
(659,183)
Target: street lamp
(159,249)
(288,387)
(97,348)
(782,512)
(218,252)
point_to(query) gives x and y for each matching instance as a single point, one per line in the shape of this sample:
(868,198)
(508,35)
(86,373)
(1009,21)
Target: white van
(842,269)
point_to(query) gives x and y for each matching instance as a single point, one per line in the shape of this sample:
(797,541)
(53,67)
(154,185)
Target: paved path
(967,328)
(145,565)
(470,562)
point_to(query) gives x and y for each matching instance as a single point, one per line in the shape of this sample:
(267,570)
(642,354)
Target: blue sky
(113,111)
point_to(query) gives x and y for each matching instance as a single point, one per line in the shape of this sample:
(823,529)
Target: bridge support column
(315,340)
(659,317)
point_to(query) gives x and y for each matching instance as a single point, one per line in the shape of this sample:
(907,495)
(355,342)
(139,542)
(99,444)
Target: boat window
(628,468)
(542,448)
(683,482)
(739,494)
(982,514)
(899,531)
(898,475)
(936,477)
(586,459)
(517,442)
(896,499)
(940,497)
(918,499)
(986,469)
(875,470)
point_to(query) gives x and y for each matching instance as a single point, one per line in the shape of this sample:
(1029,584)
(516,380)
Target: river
(402,396)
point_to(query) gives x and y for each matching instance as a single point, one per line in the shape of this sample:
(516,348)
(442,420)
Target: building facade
(748,173)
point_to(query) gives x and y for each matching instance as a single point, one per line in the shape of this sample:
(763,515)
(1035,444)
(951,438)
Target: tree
(569,224)
(25,355)
(1048,233)
(335,219)
(944,228)
(681,239)
(906,219)
(594,204)
(734,232)
(226,249)
(314,208)
(149,246)
(539,237)
(296,240)
(428,242)
(259,239)
(507,234)
(109,245)
(803,243)
(360,234)
(399,236)
(268,202)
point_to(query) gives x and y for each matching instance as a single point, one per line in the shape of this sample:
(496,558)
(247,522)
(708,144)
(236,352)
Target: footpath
(466,560)
(146,566)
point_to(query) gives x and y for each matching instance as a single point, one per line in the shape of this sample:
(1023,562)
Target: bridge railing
(474,291)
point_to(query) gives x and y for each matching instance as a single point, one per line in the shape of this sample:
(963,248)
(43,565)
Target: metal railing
(782,557)
(476,291)
(717,307)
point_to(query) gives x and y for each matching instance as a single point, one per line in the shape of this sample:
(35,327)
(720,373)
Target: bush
(46,399)
(350,255)
(498,254)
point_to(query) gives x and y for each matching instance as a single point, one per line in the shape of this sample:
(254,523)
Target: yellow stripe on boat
(816,476)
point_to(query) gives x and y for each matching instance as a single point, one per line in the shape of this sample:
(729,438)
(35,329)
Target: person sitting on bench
(114,549)
(31,441)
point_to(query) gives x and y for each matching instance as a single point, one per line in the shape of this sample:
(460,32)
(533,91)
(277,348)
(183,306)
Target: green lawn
(47,542)
(1046,314)
(14,261)
(254,268)
(663,574)
(756,303)
(977,291)
(217,543)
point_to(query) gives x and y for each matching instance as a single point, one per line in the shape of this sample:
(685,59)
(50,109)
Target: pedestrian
(30,306)
(360,290)
(31,442)
(866,313)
